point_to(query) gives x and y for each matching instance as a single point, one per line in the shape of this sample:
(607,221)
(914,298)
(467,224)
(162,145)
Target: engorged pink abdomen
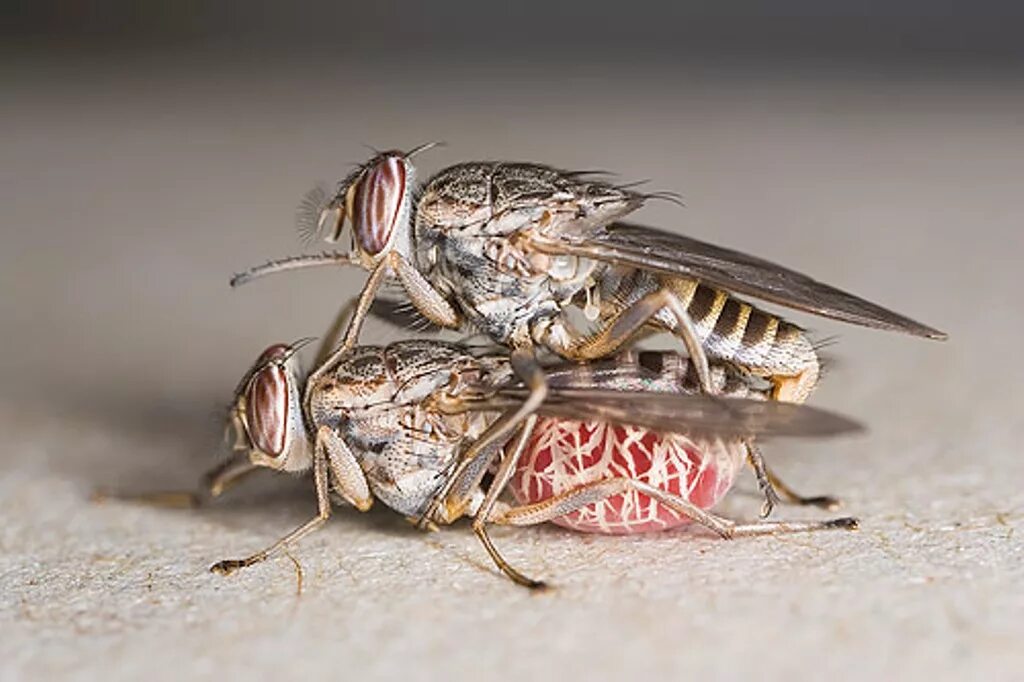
(563,455)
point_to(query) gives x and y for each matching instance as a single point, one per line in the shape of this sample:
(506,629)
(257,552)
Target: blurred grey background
(149,150)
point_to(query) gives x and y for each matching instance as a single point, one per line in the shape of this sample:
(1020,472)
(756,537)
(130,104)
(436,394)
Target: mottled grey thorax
(502,303)
(378,400)
(402,458)
(473,229)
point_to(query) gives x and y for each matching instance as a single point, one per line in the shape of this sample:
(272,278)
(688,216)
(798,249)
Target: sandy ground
(128,198)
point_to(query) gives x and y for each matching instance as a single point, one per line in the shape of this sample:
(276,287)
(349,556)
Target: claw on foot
(227,566)
(771,499)
(826,502)
(847,522)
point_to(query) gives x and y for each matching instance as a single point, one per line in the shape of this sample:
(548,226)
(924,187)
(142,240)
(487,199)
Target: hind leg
(628,322)
(598,491)
(827,502)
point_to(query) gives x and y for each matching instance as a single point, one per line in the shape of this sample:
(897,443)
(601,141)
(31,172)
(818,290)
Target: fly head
(268,410)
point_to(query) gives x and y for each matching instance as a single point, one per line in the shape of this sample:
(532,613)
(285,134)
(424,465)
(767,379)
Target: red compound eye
(563,455)
(266,409)
(378,201)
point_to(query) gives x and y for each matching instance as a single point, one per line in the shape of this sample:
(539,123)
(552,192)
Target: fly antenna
(423,147)
(292,263)
(295,346)
(376,152)
(673,197)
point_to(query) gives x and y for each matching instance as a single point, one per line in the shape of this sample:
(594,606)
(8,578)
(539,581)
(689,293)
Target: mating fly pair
(393,423)
(513,250)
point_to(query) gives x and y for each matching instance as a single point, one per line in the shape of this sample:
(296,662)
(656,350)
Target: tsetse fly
(392,423)
(511,248)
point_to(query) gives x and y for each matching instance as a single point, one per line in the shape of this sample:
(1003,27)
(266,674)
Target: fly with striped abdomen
(393,423)
(513,248)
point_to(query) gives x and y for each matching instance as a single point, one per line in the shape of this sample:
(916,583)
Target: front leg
(349,480)
(331,457)
(328,358)
(366,297)
(428,300)
(213,484)
(228,566)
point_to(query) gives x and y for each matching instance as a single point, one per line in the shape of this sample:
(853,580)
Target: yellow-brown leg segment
(228,566)
(597,491)
(331,457)
(355,325)
(333,333)
(827,502)
(501,479)
(627,323)
(363,303)
(214,483)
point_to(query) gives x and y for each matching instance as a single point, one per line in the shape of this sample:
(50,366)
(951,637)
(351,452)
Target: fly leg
(598,491)
(774,489)
(827,502)
(625,324)
(228,566)
(428,300)
(333,332)
(355,325)
(349,482)
(501,479)
(213,484)
(525,364)
(764,482)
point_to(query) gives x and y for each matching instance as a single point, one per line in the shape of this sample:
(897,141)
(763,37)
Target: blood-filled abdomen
(563,455)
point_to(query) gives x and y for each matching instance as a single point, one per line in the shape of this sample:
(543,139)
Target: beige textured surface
(127,199)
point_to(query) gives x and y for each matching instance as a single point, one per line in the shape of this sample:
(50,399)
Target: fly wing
(696,414)
(673,254)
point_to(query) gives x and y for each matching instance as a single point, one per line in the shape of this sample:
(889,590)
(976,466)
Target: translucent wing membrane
(695,414)
(672,254)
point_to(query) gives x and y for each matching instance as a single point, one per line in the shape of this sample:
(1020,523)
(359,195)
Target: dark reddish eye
(378,201)
(266,409)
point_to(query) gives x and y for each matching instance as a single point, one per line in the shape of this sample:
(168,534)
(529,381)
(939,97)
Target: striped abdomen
(735,331)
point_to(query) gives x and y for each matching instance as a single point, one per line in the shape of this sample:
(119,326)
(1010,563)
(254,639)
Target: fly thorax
(404,469)
(508,258)
(358,382)
(421,369)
